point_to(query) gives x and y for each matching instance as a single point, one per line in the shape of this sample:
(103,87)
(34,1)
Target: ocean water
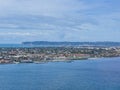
(26,46)
(16,45)
(97,74)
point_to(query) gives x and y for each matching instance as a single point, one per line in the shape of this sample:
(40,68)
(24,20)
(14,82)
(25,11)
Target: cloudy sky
(59,20)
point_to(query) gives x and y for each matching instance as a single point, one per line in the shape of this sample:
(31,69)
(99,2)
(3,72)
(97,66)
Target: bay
(97,74)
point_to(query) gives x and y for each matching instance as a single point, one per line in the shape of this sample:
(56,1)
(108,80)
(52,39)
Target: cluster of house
(29,55)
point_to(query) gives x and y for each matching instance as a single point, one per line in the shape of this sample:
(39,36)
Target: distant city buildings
(45,54)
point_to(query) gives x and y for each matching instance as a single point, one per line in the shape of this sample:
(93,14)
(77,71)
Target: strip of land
(46,54)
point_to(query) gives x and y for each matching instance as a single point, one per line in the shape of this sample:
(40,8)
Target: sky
(59,20)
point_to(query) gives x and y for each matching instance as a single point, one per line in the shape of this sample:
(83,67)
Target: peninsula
(63,53)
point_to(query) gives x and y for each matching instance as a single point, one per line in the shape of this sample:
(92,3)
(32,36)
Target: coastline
(62,60)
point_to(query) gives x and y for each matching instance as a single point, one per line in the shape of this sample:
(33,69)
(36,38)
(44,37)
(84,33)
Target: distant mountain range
(72,43)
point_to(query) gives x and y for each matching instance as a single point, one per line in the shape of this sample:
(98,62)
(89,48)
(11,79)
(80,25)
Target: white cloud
(22,20)
(41,7)
(8,25)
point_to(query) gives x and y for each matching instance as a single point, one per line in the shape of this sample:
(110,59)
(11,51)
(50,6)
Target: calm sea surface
(99,74)
(18,46)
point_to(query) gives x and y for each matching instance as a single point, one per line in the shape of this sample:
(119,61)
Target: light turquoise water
(100,74)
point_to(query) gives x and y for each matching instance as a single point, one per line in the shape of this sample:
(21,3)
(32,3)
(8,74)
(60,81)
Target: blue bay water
(17,45)
(26,46)
(99,74)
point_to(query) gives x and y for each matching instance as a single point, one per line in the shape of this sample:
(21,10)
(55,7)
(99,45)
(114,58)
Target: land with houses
(46,54)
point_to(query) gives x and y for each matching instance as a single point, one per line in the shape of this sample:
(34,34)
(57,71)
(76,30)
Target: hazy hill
(72,43)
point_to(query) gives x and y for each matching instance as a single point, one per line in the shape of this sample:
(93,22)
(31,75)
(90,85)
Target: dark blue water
(26,46)
(29,46)
(17,45)
(99,74)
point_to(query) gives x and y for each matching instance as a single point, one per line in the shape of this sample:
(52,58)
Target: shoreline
(67,61)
